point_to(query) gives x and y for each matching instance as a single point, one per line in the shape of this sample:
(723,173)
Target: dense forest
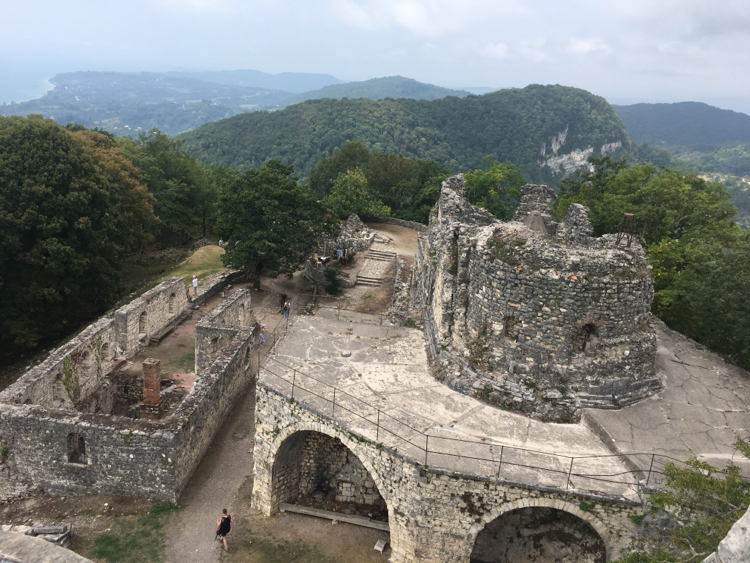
(514,125)
(684,124)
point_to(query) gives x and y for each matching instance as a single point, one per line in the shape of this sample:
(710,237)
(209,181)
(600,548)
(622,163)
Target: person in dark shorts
(224,525)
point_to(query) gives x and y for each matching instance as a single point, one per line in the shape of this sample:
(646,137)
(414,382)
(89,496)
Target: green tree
(706,500)
(183,191)
(497,189)
(351,194)
(350,155)
(268,220)
(71,207)
(391,178)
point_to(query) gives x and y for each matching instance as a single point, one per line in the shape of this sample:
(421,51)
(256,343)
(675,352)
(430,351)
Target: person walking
(195,286)
(287,309)
(223,526)
(282,300)
(262,335)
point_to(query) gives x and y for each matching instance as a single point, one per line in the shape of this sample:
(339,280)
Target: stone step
(374,282)
(377,255)
(335,516)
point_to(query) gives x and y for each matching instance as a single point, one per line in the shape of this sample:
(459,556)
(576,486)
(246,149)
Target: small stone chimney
(151,388)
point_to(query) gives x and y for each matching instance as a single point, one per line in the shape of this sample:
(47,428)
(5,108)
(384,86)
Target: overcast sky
(624,50)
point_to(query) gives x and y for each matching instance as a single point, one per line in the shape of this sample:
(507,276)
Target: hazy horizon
(640,51)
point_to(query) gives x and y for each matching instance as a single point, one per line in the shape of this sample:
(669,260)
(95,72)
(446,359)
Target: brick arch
(355,447)
(543,502)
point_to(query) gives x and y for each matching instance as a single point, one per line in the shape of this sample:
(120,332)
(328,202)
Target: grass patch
(134,540)
(203,262)
(186,362)
(269,550)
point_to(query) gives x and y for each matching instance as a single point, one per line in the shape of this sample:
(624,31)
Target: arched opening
(172,300)
(539,533)
(76,449)
(105,354)
(586,336)
(317,470)
(142,322)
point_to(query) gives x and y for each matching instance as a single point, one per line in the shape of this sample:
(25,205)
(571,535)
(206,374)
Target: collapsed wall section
(543,318)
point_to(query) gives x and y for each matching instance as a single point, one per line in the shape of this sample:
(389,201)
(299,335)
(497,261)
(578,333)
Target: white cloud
(495,51)
(533,51)
(584,46)
(423,18)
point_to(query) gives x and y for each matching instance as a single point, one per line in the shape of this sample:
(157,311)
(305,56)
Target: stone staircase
(376,265)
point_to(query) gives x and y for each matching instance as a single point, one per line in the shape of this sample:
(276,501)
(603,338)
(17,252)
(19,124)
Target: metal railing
(614,476)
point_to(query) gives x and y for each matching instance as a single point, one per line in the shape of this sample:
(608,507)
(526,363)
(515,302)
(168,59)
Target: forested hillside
(684,123)
(379,89)
(515,125)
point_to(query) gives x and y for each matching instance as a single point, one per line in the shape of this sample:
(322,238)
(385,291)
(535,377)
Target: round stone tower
(533,315)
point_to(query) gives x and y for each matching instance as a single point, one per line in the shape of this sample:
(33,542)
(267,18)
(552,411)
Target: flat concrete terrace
(375,382)
(703,407)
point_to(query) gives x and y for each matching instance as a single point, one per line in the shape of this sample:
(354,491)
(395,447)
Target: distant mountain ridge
(684,123)
(380,89)
(540,129)
(294,82)
(127,103)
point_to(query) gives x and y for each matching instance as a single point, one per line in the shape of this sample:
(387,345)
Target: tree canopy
(184,191)
(268,220)
(71,207)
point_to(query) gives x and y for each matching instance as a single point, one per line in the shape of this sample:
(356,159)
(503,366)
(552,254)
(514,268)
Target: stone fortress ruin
(448,439)
(86,420)
(544,318)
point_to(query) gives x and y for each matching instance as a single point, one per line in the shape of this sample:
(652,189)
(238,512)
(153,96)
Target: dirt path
(223,479)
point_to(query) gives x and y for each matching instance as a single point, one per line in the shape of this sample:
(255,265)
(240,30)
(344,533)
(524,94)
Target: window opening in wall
(105,351)
(510,329)
(586,335)
(142,322)
(214,345)
(76,449)
(172,299)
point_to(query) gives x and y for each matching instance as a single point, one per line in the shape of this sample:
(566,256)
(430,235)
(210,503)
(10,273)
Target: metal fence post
(333,411)
(426,448)
(294,380)
(650,467)
(570,470)
(377,428)
(500,465)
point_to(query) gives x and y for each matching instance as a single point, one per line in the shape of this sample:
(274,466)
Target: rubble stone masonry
(533,315)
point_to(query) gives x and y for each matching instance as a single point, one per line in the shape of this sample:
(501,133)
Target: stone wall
(434,516)
(420,227)
(547,319)
(54,448)
(317,275)
(148,315)
(217,329)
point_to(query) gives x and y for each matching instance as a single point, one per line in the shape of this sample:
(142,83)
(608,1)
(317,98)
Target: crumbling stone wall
(532,315)
(148,315)
(61,447)
(217,329)
(434,516)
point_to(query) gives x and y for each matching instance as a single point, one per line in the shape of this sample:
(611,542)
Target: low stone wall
(420,227)
(317,275)
(434,516)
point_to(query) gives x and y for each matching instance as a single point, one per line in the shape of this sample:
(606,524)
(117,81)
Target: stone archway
(536,525)
(316,469)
